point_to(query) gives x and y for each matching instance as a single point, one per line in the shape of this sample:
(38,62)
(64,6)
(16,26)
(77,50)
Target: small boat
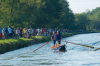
(60,48)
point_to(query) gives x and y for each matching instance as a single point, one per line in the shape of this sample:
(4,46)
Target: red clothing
(1,35)
(43,30)
(57,34)
(21,30)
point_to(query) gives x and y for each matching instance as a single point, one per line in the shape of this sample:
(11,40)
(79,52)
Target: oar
(79,44)
(41,46)
(49,45)
(85,45)
(96,49)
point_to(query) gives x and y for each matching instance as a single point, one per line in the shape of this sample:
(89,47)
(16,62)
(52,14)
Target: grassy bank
(39,39)
(12,44)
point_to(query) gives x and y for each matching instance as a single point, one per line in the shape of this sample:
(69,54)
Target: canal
(75,55)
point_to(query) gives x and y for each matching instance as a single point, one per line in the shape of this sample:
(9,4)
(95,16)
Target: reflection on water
(74,56)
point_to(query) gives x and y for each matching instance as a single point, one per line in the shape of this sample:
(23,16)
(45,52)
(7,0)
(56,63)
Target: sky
(79,6)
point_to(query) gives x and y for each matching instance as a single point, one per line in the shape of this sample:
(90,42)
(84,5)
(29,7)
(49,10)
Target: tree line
(88,20)
(46,14)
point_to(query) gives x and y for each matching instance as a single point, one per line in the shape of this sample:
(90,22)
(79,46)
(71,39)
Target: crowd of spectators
(9,32)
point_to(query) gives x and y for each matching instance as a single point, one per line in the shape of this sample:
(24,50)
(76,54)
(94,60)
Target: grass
(12,44)
(14,40)
(40,39)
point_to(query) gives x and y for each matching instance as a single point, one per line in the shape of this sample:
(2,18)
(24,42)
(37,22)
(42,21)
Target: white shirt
(29,31)
(9,30)
(17,31)
(38,30)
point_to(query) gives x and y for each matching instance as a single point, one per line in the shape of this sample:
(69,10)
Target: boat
(60,48)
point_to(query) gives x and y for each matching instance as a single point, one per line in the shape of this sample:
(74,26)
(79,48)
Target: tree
(81,21)
(37,13)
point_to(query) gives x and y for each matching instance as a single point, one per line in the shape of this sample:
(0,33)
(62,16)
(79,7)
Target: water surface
(75,56)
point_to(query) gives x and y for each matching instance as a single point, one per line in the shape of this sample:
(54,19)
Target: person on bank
(0,32)
(53,37)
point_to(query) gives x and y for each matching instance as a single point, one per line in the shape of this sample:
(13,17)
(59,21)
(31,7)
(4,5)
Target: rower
(58,38)
(53,37)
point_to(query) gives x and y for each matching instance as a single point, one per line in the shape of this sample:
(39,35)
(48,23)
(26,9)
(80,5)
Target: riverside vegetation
(13,44)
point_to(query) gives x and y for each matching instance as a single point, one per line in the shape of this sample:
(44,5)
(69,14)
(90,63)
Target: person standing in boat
(53,37)
(58,38)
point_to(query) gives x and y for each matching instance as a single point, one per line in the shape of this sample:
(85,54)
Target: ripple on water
(92,64)
(7,65)
(47,63)
(7,58)
(25,56)
(36,60)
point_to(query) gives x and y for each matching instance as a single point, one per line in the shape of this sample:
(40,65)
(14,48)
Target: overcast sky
(79,6)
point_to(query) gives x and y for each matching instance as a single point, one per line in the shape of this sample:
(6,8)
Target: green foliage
(67,17)
(88,20)
(94,16)
(36,13)
(46,14)
(81,21)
